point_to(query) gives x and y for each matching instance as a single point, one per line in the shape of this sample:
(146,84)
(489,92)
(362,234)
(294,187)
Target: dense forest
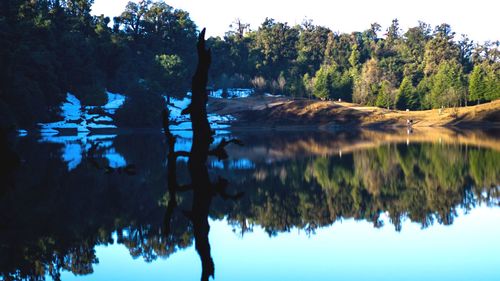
(50,47)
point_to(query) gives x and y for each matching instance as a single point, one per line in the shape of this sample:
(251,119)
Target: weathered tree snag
(202,134)
(200,180)
(203,189)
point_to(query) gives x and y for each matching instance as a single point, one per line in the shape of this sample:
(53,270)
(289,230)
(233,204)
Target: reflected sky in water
(363,205)
(350,250)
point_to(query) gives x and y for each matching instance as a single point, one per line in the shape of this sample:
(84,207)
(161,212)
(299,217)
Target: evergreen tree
(311,47)
(477,85)
(406,98)
(492,82)
(386,97)
(448,87)
(354,57)
(322,82)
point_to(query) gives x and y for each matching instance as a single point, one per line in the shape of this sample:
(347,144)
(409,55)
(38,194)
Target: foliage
(367,84)
(484,82)
(141,109)
(386,96)
(406,97)
(329,82)
(448,86)
(172,71)
(53,47)
(322,82)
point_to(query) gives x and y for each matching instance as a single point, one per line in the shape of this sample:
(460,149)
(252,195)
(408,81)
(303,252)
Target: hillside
(281,111)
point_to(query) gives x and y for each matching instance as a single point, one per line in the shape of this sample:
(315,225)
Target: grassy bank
(281,111)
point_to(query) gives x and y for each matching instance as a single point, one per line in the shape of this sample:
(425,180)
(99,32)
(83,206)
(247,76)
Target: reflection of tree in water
(49,224)
(52,220)
(424,183)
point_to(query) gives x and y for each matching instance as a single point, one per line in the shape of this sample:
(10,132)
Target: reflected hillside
(424,183)
(276,145)
(291,180)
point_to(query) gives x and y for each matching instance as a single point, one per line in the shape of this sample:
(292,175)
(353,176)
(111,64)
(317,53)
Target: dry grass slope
(272,111)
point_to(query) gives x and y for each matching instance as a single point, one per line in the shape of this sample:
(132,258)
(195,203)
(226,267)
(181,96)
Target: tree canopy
(51,47)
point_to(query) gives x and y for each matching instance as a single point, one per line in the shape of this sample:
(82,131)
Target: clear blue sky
(479,18)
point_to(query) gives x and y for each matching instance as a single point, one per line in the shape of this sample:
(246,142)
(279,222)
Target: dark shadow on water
(9,162)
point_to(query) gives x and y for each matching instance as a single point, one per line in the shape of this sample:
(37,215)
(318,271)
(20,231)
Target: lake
(310,205)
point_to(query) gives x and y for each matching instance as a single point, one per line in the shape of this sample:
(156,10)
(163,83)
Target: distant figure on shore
(409,122)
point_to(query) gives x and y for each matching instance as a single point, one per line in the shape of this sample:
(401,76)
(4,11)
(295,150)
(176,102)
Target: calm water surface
(317,205)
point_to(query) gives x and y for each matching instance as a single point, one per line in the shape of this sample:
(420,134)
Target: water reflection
(50,224)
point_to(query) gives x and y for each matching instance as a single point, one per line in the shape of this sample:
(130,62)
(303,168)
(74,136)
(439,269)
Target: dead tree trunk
(202,138)
(203,189)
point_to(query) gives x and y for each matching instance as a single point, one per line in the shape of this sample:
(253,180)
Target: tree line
(51,47)
(419,68)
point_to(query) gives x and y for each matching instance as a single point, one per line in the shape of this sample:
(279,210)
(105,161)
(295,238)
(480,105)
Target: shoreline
(286,114)
(278,112)
(239,126)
